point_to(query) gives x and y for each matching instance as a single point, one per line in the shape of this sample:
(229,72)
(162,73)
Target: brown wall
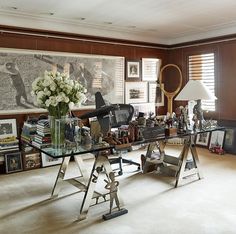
(77,45)
(225,65)
(225,71)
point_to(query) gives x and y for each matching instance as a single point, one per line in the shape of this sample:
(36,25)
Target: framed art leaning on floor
(202,139)
(13,162)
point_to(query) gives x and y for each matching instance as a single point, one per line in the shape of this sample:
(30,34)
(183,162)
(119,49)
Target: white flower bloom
(55,89)
(52,87)
(71,105)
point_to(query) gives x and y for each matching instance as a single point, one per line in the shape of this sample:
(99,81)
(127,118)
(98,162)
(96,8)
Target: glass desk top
(79,149)
(66,152)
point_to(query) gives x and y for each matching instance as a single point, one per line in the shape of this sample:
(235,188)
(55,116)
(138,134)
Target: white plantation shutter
(201,67)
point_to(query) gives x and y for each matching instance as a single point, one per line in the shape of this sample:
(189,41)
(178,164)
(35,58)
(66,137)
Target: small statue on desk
(198,116)
(183,120)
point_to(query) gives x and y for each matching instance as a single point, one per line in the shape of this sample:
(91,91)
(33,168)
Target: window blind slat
(202,67)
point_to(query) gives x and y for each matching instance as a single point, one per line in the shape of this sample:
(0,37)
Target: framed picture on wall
(150,69)
(202,139)
(133,70)
(136,92)
(13,162)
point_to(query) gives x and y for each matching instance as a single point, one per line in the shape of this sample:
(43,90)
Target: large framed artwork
(19,68)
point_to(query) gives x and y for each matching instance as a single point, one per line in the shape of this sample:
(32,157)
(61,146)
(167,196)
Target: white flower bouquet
(57,93)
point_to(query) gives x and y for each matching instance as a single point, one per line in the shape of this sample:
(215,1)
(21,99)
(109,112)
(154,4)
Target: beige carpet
(197,207)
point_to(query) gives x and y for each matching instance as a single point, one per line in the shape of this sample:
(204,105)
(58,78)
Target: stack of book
(28,132)
(9,144)
(42,138)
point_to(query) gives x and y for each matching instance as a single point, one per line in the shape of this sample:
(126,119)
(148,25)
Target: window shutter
(201,67)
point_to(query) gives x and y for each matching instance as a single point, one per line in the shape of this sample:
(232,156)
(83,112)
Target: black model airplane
(102,112)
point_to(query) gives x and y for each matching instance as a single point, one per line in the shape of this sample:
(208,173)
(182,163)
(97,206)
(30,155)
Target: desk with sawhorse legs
(179,167)
(86,181)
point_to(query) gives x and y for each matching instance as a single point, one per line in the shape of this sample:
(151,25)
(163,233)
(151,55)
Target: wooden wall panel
(45,43)
(225,53)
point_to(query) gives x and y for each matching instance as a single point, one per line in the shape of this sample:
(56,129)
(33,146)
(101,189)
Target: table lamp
(196,90)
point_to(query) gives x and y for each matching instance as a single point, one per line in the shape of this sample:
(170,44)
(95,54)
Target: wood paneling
(225,72)
(129,50)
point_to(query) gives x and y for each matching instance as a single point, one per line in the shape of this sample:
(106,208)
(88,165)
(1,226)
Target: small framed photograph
(133,70)
(136,92)
(155,94)
(202,139)
(13,162)
(217,139)
(8,128)
(150,69)
(31,161)
(49,161)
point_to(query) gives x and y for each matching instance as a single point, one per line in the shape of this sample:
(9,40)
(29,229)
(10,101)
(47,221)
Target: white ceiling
(157,21)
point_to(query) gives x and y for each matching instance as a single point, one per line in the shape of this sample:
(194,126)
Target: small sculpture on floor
(113,187)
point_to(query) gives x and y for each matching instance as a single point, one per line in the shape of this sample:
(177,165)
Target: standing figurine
(113,187)
(198,116)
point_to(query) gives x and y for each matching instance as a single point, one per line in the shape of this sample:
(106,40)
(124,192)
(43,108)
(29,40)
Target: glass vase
(57,128)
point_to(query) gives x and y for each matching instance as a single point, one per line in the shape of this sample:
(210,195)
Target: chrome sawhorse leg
(61,176)
(101,162)
(188,144)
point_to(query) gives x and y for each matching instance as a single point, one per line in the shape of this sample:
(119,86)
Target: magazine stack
(42,138)
(9,144)
(28,132)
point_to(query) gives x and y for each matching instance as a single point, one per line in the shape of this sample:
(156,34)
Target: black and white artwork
(19,68)
(136,92)
(202,139)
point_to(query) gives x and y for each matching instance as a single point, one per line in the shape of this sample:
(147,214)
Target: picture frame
(31,161)
(230,140)
(95,72)
(217,139)
(136,92)
(49,161)
(8,128)
(145,108)
(202,139)
(155,94)
(13,162)
(133,70)
(150,69)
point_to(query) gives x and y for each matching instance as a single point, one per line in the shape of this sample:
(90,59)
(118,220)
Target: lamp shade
(195,90)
